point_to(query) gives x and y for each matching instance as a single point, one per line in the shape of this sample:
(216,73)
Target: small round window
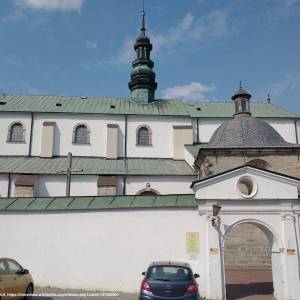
(247,187)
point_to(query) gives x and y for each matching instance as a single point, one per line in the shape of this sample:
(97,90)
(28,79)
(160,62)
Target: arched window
(16,132)
(148,192)
(81,134)
(143,136)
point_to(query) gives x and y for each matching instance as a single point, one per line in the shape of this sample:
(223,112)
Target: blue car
(169,280)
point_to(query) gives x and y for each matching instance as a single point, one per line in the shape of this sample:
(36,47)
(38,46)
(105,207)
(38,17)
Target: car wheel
(29,292)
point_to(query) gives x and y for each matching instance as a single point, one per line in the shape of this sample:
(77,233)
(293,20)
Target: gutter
(30,137)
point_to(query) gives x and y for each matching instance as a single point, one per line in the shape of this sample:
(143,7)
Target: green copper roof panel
(186,200)
(39,203)
(6,202)
(21,203)
(95,166)
(143,201)
(60,203)
(122,202)
(95,105)
(96,203)
(101,202)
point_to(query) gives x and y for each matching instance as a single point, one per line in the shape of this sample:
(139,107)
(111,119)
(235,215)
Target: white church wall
(51,186)
(161,184)
(64,130)
(4,185)
(162,135)
(207,127)
(8,148)
(107,247)
(286,128)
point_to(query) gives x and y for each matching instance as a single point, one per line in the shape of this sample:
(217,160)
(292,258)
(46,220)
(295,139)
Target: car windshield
(169,273)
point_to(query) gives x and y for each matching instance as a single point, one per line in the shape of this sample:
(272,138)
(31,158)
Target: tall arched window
(143,136)
(16,133)
(81,134)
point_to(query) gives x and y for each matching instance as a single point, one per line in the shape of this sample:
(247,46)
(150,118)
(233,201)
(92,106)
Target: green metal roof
(96,203)
(95,166)
(95,105)
(194,149)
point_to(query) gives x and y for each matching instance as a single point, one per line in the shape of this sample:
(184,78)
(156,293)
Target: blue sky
(202,48)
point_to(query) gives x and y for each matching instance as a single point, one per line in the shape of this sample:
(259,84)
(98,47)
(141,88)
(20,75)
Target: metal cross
(69,172)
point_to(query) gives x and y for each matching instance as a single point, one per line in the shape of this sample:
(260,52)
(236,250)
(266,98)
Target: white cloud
(91,45)
(52,4)
(290,84)
(195,91)
(194,32)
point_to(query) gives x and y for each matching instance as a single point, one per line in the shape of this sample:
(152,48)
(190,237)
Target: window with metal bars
(143,136)
(16,133)
(81,135)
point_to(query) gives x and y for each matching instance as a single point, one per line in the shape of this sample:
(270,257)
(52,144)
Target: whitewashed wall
(162,135)
(64,130)
(97,250)
(3,185)
(286,128)
(161,184)
(7,148)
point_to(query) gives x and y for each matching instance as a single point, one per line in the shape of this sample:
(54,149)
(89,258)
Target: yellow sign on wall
(192,242)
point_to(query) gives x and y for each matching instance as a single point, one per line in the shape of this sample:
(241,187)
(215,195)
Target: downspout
(30,137)
(198,138)
(125,155)
(296,132)
(9,186)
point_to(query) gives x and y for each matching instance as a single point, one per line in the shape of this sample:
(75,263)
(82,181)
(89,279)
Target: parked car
(14,279)
(169,280)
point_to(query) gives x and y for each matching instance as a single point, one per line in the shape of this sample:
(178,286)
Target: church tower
(142,84)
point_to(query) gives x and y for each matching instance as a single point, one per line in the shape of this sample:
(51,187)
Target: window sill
(16,142)
(139,145)
(81,143)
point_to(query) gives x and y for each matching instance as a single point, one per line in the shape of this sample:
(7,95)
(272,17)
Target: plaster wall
(107,247)
(227,187)
(3,185)
(63,132)
(286,128)
(162,135)
(10,148)
(161,184)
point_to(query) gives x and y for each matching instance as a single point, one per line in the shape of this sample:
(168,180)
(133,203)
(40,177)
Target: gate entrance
(247,262)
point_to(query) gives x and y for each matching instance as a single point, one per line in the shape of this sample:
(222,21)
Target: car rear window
(169,273)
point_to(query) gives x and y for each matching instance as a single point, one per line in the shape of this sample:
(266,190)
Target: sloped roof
(97,203)
(95,105)
(95,166)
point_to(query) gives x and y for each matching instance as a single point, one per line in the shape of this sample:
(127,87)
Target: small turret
(242,102)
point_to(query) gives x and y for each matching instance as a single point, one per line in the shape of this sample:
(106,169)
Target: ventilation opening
(198,108)
(112,106)
(83,97)
(58,104)
(2,103)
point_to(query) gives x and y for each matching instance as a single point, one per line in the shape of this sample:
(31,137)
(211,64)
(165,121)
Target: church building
(109,179)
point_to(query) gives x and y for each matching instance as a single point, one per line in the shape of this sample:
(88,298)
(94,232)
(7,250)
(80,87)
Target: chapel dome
(246,132)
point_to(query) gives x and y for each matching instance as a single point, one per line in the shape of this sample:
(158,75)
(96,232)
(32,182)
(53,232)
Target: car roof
(171,263)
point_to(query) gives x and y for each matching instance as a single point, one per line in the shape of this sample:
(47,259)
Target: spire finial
(241,84)
(269,99)
(143,20)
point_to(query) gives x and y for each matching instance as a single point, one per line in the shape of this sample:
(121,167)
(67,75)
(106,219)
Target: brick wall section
(246,246)
(287,164)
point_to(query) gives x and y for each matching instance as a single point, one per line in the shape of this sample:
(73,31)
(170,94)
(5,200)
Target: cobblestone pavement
(249,284)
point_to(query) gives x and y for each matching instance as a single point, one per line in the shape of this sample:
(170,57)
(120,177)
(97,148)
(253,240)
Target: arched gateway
(270,202)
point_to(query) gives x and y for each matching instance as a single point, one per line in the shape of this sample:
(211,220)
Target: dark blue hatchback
(169,280)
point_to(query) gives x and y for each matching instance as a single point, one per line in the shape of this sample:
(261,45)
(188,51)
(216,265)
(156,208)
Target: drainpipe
(9,186)
(30,137)
(296,132)
(124,185)
(198,137)
(125,135)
